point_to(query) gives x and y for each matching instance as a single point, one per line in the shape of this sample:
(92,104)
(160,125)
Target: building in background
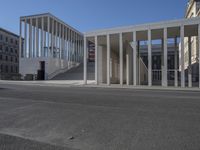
(9,55)
(51,46)
(192,45)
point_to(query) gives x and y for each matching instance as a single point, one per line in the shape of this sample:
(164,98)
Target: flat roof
(52,16)
(143,27)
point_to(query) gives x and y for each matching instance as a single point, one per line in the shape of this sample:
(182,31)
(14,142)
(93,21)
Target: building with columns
(118,54)
(50,46)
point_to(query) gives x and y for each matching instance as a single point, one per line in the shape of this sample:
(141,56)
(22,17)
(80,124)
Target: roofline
(9,32)
(52,16)
(146,26)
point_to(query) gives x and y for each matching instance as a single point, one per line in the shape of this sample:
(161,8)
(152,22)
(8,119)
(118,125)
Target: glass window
(6,48)
(1,37)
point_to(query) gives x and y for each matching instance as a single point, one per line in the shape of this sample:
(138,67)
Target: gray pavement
(100,119)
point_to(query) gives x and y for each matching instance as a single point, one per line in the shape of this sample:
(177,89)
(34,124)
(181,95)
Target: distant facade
(9,55)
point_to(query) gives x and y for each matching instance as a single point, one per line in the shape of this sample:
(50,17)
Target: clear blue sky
(86,15)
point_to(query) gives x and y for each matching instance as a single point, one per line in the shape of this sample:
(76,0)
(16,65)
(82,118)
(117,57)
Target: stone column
(25,38)
(190,62)
(42,38)
(85,61)
(96,60)
(164,69)
(182,58)
(134,59)
(30,39)
(121,58)
(21,53)
(108,59)
(175,63)
(48,30)
(149,59)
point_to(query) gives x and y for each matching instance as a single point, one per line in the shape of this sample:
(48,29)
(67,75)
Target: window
(1,69)
(6,39)
(6,48)
(11,40)
(1,47)
(1,57)
(16,68)
(16,60)
(15,51)
(6,69)
(11,50)
(6,58)
(1,37)
(11,59)
(11,69)
(16,42)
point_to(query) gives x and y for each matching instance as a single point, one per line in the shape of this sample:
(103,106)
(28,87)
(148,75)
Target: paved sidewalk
(92,84)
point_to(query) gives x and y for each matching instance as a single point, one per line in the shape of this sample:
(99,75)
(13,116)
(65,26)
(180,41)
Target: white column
(20,40)
(42,37)
(164,68)
(85,61)
(30,39)
(127,70)
(34,42)
(96,60)
(175,63)
(149,59)
(48,30)
(190,63)
(60,45)
(182,58)
(52,38)
(37,38)
(108,59)
(25,38)
(121,58)
(63,42)
(199,51)
(56,42)
(69,48)
(134,59)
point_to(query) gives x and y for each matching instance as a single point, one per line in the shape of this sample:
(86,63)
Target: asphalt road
(98,119)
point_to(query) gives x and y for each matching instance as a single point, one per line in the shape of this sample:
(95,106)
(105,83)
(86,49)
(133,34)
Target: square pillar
(127,69)
(121,58)
(149,59)
(42,37)
(85,61)
(48,30)
(108,59)
(20,40)
(175,63)
(164,67)
(37,38)
(134,59)
(190,62)
(30,39)
(182,58)
(25,38)
(96,60)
